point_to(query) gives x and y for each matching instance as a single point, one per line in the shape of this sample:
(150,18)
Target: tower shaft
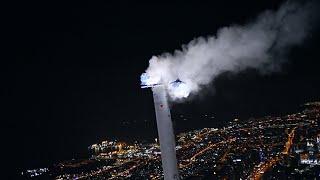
(165,133)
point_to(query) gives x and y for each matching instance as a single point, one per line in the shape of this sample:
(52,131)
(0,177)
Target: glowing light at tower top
(176,89)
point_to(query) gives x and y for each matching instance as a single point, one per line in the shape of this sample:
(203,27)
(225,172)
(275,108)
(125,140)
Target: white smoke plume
(261,44)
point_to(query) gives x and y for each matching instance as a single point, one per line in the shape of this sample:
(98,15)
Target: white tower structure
(165,133)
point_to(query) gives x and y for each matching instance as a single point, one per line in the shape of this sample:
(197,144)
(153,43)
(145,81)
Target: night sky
(72,75)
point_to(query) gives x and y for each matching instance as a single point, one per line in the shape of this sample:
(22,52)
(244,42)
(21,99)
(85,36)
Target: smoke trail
(261,44)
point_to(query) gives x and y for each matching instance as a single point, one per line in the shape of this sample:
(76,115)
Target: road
(258,173)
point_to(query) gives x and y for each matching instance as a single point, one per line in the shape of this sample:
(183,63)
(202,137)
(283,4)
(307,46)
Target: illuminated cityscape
(269,147)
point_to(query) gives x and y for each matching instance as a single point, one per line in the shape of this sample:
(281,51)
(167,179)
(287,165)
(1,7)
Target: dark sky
(72,76)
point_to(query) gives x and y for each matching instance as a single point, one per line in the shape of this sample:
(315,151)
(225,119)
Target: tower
(165,133)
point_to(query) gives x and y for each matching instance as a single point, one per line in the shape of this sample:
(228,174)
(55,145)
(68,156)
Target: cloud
(261,44)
